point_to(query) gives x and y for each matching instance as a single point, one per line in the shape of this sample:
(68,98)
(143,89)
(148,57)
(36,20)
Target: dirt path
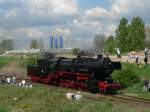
(13,68)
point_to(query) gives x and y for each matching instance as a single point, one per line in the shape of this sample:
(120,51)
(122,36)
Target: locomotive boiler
(89,74)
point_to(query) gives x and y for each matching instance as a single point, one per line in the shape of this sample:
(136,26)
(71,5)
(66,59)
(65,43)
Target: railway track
(130,99)
(121,99)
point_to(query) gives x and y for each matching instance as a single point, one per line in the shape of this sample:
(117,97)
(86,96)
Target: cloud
(110,30)
(24,32)
(109,17)
(96,12)
(23,36)
(25,13)
(34,33)
(10,14)
(86,23)
(65,32)
(133,7)
(56,7)
(120,8)
(24,20)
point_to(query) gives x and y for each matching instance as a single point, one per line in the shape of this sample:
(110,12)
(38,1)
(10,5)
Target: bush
(126,77)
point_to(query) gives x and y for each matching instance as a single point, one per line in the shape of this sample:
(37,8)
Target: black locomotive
(82,73)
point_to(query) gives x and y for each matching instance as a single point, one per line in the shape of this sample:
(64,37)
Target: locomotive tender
(81,73)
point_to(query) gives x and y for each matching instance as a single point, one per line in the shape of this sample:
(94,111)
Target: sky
(78,21)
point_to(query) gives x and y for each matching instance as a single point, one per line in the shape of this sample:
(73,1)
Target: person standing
(146,56)
(137,60)
(118,52)
(8,79)
(14,79)
(145,88)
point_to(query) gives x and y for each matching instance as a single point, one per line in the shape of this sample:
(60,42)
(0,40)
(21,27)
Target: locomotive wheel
(92,84)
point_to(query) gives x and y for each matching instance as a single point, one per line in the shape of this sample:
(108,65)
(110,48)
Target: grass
(5,60)
(44,99)
(3,109)
(137,89)
(26,61)
(50,99)
(13,65)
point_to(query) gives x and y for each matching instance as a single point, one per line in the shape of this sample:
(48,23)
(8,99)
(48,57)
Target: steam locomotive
(88,74)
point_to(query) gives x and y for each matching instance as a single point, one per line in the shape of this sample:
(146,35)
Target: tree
(7,44)
(147,40)
(122,34)
(41,44)
(131,36)
(147,43)
(136,34)
(99,43)
(34,44)
(76,51)
(110,44)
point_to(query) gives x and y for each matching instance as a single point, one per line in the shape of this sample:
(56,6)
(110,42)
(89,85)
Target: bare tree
(147,40)
(99,43)
(41,44)
(7,44)
(34,44)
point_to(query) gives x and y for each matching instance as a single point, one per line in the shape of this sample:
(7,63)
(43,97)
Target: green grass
(137,89)
(49,99)
(3,109)
(27,61)
(5,60)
